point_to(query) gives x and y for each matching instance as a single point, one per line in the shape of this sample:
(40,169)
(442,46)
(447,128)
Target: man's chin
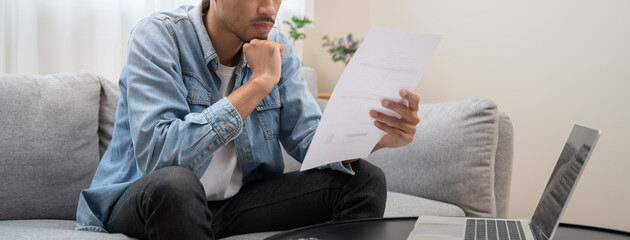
(256,37)
(247,38)
(261,38)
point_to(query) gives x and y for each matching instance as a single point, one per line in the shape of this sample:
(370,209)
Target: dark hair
(205,5)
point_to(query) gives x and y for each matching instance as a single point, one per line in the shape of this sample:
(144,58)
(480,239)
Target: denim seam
(194,75)
(232,113)
(270,135)
(178,19)
(235,115)
(174,19)
(213,122)
(91,228)
(193,164)
(171,32)
(201,101)
(268,106)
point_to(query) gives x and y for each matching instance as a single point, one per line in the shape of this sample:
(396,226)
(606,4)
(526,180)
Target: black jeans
(170,203)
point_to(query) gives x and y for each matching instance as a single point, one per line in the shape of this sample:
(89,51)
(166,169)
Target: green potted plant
(341,49)
(296,24)
(296,34)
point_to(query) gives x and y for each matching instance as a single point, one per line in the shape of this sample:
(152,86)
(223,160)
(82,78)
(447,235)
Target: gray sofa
(56,127)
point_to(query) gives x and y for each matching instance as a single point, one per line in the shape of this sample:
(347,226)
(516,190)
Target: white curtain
(52,36)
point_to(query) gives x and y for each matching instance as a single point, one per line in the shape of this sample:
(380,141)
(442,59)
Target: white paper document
(386,62)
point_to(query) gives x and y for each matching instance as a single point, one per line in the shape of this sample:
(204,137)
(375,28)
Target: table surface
(399,228)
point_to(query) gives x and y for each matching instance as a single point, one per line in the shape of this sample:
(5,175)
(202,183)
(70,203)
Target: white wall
(548,64)
(337,18)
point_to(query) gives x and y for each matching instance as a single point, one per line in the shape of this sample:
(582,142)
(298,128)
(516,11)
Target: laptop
(543,223)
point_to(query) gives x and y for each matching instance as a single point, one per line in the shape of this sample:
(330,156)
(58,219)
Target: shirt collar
(196,15)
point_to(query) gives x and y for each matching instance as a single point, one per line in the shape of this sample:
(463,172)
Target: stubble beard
(242,35)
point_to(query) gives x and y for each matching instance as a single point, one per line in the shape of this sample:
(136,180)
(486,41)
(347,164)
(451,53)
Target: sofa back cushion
(49,143)
(451,158)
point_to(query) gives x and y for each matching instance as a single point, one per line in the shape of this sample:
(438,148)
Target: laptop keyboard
(493,229)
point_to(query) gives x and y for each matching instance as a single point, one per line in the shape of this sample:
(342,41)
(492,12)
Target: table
(579,232)
(324,95)
(399,228)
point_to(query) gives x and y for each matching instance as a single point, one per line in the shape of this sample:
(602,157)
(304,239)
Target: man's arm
(264,59)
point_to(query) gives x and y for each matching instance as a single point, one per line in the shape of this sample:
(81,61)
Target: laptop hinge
(538,234)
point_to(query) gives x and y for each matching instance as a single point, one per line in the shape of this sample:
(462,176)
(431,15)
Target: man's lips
(263,26)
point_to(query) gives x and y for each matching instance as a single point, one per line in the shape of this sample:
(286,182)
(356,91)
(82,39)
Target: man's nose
(269,8)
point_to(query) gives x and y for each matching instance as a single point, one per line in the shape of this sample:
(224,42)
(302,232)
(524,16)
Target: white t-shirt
(223,178)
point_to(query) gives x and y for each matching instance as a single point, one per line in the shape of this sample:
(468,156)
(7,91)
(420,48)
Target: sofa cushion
(49,146)
(50,230)
(451,158)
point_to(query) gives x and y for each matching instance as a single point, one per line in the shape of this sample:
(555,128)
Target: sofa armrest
(310,77)
(503,164)
(452,157)
(110,94)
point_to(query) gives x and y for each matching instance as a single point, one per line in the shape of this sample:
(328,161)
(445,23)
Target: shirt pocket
(268,112)
(198,95)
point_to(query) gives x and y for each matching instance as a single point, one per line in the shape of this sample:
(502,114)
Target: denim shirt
(170,113)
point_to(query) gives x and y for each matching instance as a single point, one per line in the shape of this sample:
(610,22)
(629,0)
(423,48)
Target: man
(207,96)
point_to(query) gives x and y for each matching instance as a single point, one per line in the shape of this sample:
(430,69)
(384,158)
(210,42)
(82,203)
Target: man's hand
(400,131)
(264,58)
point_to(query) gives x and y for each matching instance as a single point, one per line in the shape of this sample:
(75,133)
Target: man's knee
(175,184)
(370,188)
(373,176)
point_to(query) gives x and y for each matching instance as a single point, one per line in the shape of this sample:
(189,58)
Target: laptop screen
(570,164)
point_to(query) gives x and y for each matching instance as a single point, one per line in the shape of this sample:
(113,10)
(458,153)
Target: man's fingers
(405,112)
(394,122)
(276,46)
(265,60)
(281,50)
(397,133)
(412,99)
